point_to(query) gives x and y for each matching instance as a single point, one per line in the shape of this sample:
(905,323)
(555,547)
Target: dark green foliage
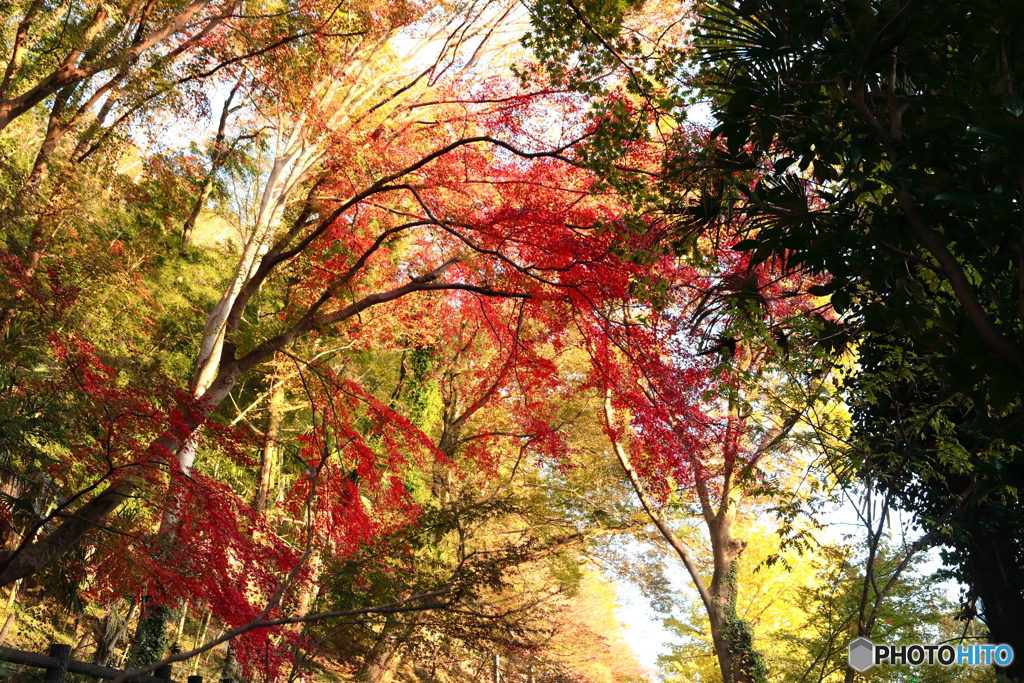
(890,144)
(151,639)
(421,361)
(628,74)
(578,40)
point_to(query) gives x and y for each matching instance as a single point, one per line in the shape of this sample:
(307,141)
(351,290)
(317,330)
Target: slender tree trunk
(217,159)
(56,128)
(734,641)
(200,639)
(738,660)
(197,208)
(5,631)
(308,591)
(20,208)
(386,655)
(180,629)
(268,460)
(9,622)
(231,668)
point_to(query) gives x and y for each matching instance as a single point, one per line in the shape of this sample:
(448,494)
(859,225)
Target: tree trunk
(112,631)
(20,208)
(199,639)
(8,623)
(994,574)
(738,661)
(151,637)
(25,561)
(217,159)
(11,615)
(231,668)
(268,460)
(56,128)
(204,195)
(733,637)
(383,660)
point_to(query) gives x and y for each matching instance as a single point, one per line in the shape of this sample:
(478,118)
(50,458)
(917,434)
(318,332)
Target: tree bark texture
(268,459)
(386,655)
(994,572)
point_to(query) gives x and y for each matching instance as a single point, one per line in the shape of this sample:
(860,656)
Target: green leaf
(820,290)
(957,198)
(1013,104)
(782,164)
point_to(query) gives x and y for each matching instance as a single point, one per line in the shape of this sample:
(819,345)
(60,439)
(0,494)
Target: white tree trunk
(297,151)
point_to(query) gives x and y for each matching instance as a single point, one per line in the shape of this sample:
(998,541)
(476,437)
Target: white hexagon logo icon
(862,655)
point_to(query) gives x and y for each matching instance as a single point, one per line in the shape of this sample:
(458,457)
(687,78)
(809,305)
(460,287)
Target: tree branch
(648,505)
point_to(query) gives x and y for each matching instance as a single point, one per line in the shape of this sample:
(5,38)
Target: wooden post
(62,653)
(195,679)
(164,673)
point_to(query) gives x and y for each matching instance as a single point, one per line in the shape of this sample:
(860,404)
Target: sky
(642,628)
